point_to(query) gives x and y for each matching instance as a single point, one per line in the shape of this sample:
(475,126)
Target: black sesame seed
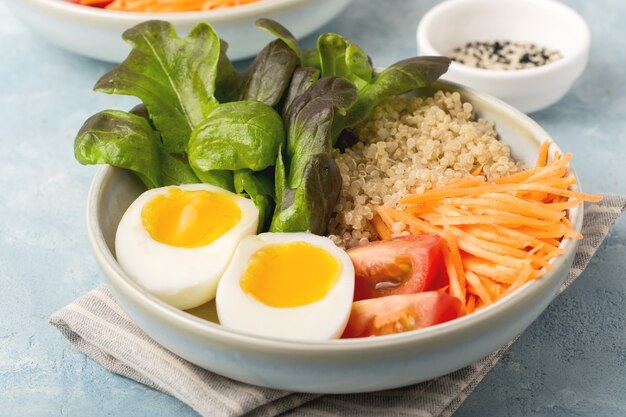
(503,54)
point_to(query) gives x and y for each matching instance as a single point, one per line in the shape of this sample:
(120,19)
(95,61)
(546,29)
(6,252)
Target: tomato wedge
(92,3)
(406,265)
(400,313)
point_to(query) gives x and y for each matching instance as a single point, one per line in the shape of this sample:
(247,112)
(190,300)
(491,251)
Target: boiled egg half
(288,286)
(177,241)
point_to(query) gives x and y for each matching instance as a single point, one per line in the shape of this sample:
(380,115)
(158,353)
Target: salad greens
(302,79)
(266,132)
(121,139)
(174,77)
(259,187)
(308,181)
(236,135)
(338,56)
(265,80)
(274,28)
(399,78)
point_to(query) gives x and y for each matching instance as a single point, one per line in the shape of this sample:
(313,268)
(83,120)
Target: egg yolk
(290,274)
(189,219)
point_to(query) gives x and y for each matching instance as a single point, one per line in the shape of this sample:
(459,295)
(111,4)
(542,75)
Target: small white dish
(546,23)
(97,33)
(333,366)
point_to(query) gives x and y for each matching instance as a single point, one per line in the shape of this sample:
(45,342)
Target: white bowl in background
(546,23)
(97,33)
(333,366)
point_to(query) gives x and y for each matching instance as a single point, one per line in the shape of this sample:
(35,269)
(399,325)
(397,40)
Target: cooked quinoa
(410,145)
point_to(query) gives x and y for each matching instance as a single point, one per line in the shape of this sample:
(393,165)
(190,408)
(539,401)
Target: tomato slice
(400,313)
(92,3)
(406,265)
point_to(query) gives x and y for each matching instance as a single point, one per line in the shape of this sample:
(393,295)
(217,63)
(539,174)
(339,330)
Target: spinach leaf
(259,186)
(174,77)
(237,135)
(274,28)
(399,78)
(340,57)
(307,179)
(123,140)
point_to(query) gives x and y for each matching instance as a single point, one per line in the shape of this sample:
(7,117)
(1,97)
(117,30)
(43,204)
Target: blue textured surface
(570,362)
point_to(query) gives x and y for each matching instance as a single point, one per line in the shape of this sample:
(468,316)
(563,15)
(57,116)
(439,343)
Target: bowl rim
(258,8)
(426,27)
(210,331)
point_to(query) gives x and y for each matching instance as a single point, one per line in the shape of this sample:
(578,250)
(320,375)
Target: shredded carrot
(499,273)
(471,304)
(542,158)
(493,288)
(497,235)
(383,231)
(495,248)
(455,258)
(516,178)
(95,3)
(454,287)
(417,226)
(476,171)
(488,233)
(477,287)
(508,203)
(437,194)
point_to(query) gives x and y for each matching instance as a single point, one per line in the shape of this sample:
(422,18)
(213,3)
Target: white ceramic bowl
(546,23)
(335,366)
(97,33)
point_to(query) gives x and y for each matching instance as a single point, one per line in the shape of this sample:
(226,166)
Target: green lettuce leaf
(308,206)
(310,58)
(302,79)
(338,56)
(259,187)
(265,80)
(399,78)
(175,169)
(307,179)
(268,76)
(227,81)
(274,28)
(121,139)
(174,166)
(309,120)
(174,77)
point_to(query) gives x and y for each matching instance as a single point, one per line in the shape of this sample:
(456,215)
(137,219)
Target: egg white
(182,277)
(320,320)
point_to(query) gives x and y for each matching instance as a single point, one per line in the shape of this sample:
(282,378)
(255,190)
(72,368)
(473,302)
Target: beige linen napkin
(98,327)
